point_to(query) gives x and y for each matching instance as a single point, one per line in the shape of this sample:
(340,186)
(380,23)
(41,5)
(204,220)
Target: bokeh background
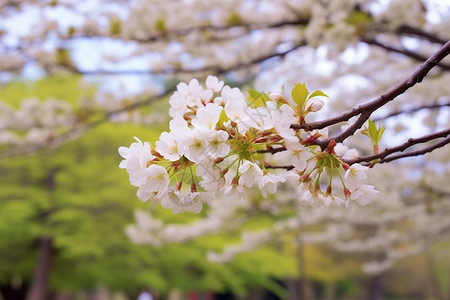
(78,79)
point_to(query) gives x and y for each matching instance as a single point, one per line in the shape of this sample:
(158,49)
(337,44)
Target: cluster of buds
(221,143)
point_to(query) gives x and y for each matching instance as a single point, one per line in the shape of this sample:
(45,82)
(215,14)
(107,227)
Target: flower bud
(316,105)
(329,190)
(345,166)
(179,184)
(347,192)
(275,97)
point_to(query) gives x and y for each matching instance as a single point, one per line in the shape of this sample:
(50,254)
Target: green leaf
(299,94)
(222,119)
(380,133)
(316,94)
(373,132)
(256,99)
(160,25)
(234,19)
(115,27)
(359,18)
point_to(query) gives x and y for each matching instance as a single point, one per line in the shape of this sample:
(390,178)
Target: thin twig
(412,110)
(413,55)
(400,148)
(215,69)
(420,33)
(418,152)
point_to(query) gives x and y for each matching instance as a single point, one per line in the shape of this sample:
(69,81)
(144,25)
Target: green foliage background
(77,195)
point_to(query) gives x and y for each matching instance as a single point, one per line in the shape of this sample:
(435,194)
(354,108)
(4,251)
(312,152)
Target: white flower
(262,117)
(192,202)
(234,101)
(203,144)
(172,198)
(285,117)
(170,146)
(178,124)
(212,180)
(178,105)
(155,182)
(235,111)
(207,116)
(307,197)
(250,173)
(354,175)
(268,183)
(299,155)
(217,146)
(136,158)
(363,194)
(275,97)
(324,200)
(196,144)
(213,83)
(145,195)
(196,201)
(344,152)
(301,189)
(194,95)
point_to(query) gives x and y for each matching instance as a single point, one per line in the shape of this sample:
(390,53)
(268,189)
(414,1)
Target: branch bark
(412,110)
(365,110)
(412,141)
(416,56)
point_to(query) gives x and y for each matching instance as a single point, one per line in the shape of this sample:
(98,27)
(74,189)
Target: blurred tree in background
(80,78)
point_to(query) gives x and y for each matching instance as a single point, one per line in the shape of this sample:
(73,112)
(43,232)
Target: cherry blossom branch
(420,33)
(413,55)
(412,110)
(179,33)
(400,148)
(365,110)
(287,167)
(416,153)
(213,68)
(382,157)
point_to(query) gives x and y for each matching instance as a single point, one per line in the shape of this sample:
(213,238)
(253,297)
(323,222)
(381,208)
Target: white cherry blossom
(207,116)
(136,158)
(354,176)
(268,183)
(250,173)
(170,145)
(155,182)
(363,194)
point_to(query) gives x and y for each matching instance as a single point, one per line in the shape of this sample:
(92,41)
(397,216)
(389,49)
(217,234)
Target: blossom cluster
(221,143)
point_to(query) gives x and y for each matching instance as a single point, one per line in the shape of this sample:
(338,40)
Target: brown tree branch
(400,148)
(416,153)
(212,68)
(413,55)
(406,29)
(388,154)
(289,167)
(412,110)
